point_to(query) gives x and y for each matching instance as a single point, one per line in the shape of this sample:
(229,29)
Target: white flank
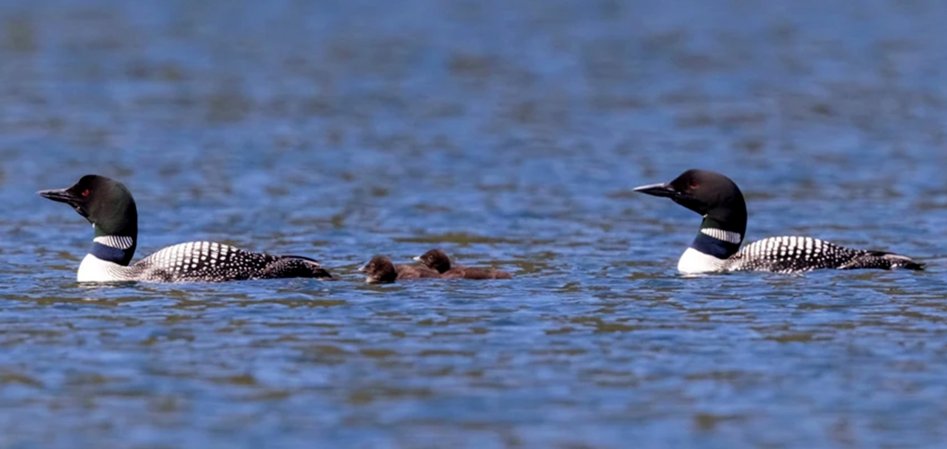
(694,262)
(93,269)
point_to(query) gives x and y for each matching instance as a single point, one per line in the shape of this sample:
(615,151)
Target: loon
(380,270)
(717,246)
(109,206)
(437,259)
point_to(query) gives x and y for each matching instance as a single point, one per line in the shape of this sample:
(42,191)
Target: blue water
(509,133)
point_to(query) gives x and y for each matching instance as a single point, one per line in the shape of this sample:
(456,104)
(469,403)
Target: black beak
(66,196)
(60,195)
(660,189)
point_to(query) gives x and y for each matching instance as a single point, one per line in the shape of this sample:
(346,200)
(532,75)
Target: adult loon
(717,246)
(109,206)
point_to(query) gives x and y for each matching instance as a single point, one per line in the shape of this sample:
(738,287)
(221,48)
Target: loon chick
(438,260)
(109,206)
(380,270)
(717,246)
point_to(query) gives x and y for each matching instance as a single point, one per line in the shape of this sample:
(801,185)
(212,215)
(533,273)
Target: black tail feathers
(883,260)
(296,267)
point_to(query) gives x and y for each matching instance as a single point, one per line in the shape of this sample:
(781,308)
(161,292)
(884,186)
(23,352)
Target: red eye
(86,192)
(694,185)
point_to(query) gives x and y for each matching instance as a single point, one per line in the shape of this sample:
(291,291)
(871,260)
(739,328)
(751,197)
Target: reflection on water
(509,134)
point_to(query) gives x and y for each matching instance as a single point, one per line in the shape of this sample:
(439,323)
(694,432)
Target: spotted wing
(203,261)
(789,254)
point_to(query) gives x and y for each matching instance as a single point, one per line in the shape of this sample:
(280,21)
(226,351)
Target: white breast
(93,269)
(694,262)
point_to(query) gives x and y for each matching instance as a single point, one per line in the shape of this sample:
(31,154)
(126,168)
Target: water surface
(510,134)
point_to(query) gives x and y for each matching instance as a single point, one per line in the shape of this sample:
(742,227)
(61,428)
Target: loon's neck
(710,251)
(116,232)
(718,239)
(108,259)
(118,249)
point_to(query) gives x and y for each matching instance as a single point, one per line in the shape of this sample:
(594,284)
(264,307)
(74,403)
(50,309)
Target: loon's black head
(713,195)
(379,270)
(106,203)
(435,259)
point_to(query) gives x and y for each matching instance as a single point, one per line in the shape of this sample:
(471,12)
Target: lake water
(510,134)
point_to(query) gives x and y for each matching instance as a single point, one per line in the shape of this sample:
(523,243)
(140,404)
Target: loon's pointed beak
(662,189)
(362,268)
(416,258)
(68,197)
(60,195)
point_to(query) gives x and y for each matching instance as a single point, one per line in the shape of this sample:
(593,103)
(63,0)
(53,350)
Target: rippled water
(510,134)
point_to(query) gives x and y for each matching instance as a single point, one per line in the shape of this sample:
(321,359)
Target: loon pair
(109,206)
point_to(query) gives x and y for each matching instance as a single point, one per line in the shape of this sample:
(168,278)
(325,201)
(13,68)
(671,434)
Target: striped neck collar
(720,234)
(717,242)
(117,249)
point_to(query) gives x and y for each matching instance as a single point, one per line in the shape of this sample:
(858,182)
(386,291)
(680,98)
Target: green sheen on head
(106,203)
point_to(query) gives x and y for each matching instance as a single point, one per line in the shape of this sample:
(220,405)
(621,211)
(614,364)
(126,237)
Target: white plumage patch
(115,241)
(720,234)
(93,269)
(696,262)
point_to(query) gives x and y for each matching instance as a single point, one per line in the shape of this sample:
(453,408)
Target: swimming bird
(437,259)
(380,270)
(111,209)
(717,245)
